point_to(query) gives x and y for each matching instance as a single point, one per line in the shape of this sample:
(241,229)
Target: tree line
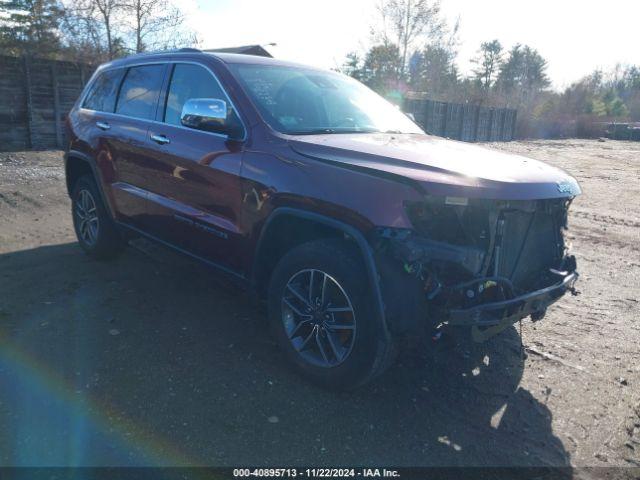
(91,31)
(414,52)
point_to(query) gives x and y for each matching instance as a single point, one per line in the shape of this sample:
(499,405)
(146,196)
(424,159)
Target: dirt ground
(149,360)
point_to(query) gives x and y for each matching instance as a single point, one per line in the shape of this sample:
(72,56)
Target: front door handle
(103,125)
(161,139)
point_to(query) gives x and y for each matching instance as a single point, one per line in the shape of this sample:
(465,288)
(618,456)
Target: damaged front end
(478,263)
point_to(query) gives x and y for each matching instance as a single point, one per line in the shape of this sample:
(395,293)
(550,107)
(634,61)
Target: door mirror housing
(211,115)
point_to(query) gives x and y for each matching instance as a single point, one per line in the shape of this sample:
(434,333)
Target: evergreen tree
(434,72)
(352,66)
(380,68)
(29,27)
(488,60)
(523,75)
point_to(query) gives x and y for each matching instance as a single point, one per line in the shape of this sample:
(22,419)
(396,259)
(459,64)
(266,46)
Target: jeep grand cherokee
(356,227)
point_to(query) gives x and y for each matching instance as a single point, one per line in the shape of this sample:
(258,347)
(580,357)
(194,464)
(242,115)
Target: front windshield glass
(300,101)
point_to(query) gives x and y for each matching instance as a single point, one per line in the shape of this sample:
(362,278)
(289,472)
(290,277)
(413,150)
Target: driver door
(195,199)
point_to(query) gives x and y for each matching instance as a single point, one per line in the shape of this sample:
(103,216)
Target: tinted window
(193,81)
(139,91)
(102,96)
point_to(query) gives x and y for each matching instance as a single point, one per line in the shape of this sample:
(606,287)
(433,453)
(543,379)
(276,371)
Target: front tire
(96,232)
(322,316)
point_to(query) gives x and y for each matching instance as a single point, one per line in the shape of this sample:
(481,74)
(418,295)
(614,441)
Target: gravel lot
(150,360)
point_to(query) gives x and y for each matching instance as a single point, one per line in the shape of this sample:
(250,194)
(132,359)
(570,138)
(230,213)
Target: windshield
(300,101)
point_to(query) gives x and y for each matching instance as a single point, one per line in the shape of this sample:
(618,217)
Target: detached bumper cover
(506,312)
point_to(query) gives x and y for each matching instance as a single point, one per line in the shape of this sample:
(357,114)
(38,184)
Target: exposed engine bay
(474,262)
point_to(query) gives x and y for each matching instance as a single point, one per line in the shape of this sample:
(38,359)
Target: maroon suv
(356,227)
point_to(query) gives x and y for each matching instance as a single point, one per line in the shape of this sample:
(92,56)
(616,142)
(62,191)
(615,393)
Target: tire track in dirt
(15,198)
(8,200)
(606,219)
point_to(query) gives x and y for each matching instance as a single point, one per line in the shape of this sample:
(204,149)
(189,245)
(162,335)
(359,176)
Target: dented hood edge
(440,167)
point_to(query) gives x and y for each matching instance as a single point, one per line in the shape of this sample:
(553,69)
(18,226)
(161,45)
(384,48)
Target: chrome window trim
(89,86)
(167,62)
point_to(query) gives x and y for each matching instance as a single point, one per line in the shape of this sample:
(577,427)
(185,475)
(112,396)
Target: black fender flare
(96,175)
(363,246)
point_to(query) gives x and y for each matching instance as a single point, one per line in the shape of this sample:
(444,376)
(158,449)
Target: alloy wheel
(318,318)
(86,217)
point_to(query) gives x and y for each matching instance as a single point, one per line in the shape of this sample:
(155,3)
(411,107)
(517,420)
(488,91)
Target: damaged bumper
(478,264)
(491,318)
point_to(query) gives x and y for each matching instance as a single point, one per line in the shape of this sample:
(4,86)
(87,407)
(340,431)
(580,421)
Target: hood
(441,167)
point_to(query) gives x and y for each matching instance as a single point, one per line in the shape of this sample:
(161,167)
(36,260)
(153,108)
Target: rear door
(100,130)
(195,199)
(135,110)
(116,112)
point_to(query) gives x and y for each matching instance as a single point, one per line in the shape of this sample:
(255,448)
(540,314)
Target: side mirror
(209,114)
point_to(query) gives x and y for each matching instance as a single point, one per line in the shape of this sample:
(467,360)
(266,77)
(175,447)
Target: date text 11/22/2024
(316,472)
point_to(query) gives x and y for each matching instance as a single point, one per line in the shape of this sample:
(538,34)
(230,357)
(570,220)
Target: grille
(529,244)
(529,247)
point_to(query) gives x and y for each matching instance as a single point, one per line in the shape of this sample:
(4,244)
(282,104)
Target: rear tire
(96,231)
(345,345)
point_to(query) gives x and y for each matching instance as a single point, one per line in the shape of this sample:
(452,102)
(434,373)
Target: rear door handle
(161,139)
(103,125)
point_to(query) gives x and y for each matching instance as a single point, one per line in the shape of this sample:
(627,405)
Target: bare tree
(81,33)
(99,30)
(107,9)
(95,24)
(157,25)
(406,21)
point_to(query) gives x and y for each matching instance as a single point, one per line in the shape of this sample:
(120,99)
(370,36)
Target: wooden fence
(469,123)
(36,96)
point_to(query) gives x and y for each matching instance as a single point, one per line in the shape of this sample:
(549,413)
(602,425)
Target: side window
(193,81)
(102,96)
(139,91)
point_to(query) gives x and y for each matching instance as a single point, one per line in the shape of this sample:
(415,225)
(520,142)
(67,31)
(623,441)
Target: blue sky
(575,36)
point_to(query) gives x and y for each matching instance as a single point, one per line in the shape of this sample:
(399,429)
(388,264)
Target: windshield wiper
(314,131)
(323,131)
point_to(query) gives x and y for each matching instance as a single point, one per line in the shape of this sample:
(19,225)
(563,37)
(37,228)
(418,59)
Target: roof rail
(189,49)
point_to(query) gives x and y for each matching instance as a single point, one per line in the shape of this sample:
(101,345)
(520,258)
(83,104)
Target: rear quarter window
(140,90)
(103,92)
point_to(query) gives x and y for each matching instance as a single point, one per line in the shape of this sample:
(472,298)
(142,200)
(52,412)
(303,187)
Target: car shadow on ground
(149,360)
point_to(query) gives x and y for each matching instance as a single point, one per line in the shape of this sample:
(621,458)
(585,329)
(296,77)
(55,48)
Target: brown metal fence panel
(470,123)
(436,117)
(468,129)
(36,96)
(509,130)
(14,134)
(454,121)
(485,118)
(496,125)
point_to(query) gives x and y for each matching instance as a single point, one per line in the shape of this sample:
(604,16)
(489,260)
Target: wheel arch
(77,164)
(269,248)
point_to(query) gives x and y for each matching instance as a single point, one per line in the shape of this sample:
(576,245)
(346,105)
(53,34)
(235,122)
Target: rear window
(102,96)
(139,91)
